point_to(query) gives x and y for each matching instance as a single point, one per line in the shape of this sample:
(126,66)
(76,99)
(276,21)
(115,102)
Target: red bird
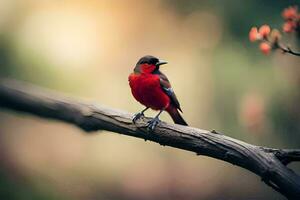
(152,88)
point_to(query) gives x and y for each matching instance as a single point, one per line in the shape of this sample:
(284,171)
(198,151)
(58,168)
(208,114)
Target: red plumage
(146,89)
(151,88)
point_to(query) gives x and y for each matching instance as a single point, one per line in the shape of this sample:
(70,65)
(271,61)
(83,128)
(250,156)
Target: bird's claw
(137,116)
(152,124)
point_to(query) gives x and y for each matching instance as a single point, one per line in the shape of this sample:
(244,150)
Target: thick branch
(267,163)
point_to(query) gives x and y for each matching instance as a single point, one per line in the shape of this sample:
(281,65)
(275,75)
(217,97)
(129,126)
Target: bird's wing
(166,86)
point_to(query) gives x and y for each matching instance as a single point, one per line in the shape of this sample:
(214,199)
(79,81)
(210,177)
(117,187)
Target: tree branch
(288,50)
(268,163)
(286,156)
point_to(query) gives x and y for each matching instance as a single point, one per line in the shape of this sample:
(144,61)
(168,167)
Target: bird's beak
(161,62)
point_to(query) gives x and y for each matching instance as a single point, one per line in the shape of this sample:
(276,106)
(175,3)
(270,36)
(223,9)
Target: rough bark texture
(268,163)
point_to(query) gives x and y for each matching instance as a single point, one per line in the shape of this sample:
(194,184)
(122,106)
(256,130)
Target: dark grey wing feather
(166,86)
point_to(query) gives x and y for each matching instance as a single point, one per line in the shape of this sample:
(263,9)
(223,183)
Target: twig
(277,45)
(288,50)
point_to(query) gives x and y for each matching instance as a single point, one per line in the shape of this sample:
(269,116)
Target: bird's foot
(137,116)
(152,124)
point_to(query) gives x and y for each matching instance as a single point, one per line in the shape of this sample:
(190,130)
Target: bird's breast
(147,90)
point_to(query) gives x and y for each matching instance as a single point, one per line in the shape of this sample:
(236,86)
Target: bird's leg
(153,122)
(139,115)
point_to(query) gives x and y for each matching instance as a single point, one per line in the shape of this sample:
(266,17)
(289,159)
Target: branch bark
(268,163)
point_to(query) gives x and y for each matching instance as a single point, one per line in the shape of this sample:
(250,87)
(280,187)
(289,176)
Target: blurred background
(87,49)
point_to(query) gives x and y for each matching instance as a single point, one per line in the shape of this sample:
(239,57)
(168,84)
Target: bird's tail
(177,118)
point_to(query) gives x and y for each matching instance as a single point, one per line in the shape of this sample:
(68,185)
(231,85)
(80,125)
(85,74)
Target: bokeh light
(87,49)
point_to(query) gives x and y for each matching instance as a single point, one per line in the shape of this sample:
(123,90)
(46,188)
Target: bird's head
(148,64)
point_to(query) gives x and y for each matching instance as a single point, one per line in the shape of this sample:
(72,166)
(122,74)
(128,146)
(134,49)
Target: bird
(151,88)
